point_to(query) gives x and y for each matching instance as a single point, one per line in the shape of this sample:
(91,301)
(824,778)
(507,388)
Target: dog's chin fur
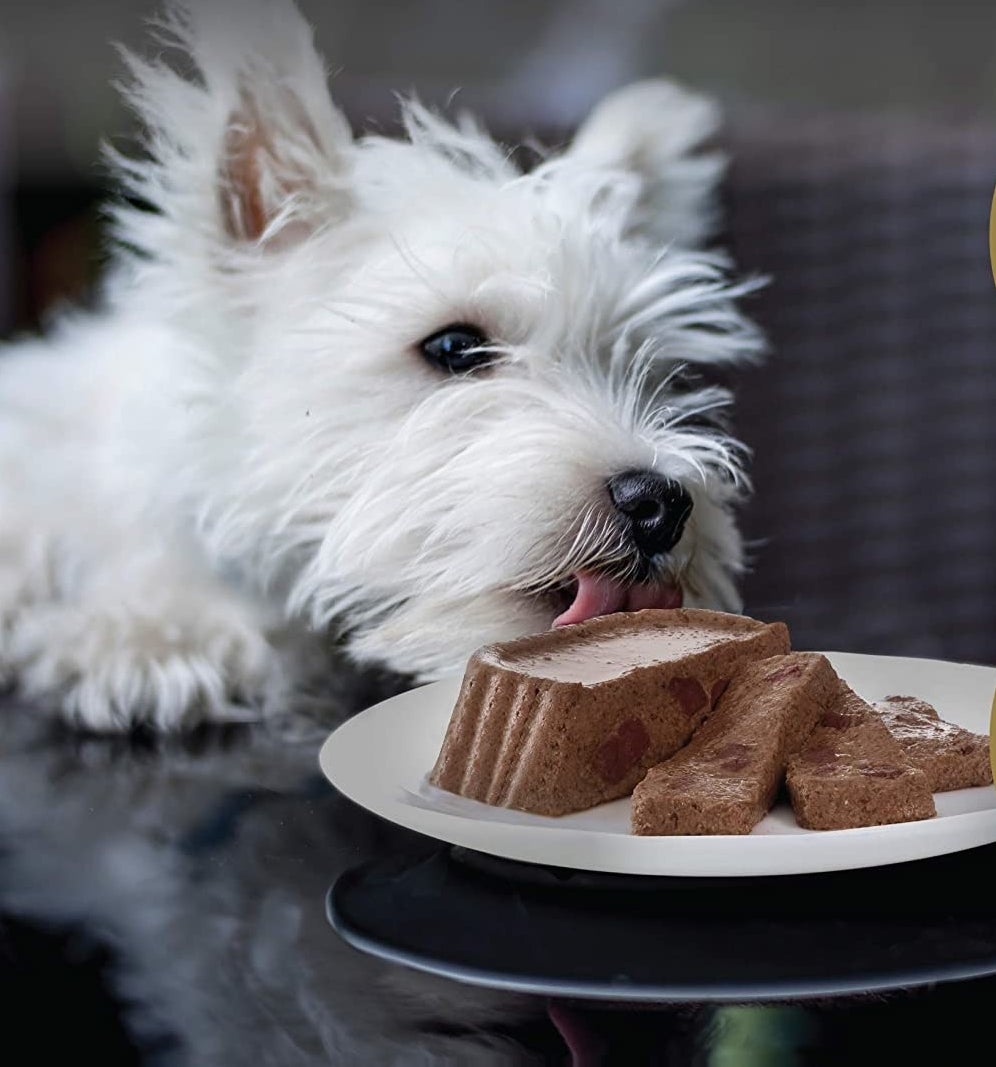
(246,443)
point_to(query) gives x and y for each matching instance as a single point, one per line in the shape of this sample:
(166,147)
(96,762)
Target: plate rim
(523,843)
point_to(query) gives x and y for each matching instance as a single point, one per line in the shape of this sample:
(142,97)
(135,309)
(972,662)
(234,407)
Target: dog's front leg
(142,638)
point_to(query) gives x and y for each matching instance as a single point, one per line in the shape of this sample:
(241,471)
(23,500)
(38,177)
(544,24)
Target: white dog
(396,393)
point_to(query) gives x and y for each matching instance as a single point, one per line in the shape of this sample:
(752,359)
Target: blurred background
(863,141)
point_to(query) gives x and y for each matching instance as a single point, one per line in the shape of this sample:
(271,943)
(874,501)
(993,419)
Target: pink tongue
(599,595)
(596,595)
(653,596)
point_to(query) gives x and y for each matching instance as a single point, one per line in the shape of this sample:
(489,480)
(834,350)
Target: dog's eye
(457,349)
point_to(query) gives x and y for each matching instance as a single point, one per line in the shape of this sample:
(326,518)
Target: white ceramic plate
(380,759)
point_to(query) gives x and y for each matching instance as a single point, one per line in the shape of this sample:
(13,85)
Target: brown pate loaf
(950,756)
(852,772)
(725,779)
(564,720)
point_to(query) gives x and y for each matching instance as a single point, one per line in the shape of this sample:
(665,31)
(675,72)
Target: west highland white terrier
(397,393)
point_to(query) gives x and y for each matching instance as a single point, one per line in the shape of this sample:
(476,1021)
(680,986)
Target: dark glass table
(162,901)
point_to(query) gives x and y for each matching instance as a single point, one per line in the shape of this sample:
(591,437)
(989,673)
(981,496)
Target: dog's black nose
(657,509)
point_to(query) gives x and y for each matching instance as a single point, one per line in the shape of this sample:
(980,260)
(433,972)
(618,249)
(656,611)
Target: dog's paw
(113,669)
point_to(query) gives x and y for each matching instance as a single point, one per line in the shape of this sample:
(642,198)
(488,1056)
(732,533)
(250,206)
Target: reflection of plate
(380,759)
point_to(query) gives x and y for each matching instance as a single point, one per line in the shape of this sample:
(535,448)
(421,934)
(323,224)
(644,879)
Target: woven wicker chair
(874,422)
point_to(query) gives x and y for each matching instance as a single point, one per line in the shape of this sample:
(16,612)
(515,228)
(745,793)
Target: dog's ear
(246,146)
(283,170)
(656,131)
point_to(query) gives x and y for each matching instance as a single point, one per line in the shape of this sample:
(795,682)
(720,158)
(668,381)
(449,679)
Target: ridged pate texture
(550,747)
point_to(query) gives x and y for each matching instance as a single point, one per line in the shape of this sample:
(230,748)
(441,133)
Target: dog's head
(434,400)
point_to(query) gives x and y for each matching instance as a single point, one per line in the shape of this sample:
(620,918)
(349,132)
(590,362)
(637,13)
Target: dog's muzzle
(654,511)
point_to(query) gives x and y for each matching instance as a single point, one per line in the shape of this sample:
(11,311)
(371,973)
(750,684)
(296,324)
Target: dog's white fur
(245,442)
